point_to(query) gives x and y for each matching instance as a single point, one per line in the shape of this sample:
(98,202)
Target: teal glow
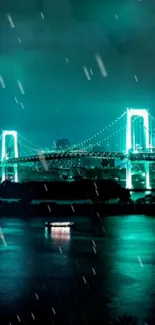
(133,260)
(4,157)
(131,146)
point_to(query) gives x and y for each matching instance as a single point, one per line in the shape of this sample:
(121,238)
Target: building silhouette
(62,144)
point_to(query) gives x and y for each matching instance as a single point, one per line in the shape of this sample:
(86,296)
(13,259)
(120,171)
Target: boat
(59,224)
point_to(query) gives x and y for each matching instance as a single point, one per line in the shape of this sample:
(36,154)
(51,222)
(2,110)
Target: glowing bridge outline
(142,156)
(83,150)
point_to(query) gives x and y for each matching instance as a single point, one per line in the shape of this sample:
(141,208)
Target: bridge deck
(134,157)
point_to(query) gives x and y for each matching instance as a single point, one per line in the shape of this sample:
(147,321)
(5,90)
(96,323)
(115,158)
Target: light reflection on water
(134,196)
(58,234)
(40,259)
(61,234)
(138,195)
(135,263)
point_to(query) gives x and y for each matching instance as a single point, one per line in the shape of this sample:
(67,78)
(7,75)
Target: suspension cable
(30,142)
(110,136)
(97,134)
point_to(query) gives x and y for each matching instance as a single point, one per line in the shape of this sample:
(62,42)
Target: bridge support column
(147,175)
(128,176)
(131,141)
(9,169)
(6,173)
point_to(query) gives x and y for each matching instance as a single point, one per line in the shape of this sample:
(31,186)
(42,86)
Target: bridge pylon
(9,150)
(131,145)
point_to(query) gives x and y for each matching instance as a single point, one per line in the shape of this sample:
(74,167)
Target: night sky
(45,52)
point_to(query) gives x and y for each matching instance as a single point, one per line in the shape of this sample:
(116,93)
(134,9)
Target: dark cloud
(58,97)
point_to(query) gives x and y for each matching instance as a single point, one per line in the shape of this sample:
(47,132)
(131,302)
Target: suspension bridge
(129,138)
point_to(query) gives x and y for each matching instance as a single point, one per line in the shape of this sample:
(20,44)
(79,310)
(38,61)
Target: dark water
(78,277)
(134,196)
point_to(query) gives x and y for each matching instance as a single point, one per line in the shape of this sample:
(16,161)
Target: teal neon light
(4,154)
(130,146)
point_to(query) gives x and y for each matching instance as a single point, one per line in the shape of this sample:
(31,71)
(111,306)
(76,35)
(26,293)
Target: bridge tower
(130,143)
(9,150)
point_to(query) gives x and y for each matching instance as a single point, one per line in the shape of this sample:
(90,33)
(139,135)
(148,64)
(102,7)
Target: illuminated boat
(59,224)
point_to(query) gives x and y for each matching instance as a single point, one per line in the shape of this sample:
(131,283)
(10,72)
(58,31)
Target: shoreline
(89,198)
(53,210)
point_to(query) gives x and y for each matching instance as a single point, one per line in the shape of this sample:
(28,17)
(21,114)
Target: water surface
(77,277)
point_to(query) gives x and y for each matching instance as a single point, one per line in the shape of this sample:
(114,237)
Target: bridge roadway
(134,157)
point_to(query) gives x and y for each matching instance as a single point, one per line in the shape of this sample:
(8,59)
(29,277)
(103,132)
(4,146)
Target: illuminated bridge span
(142,157)
(128,138)
(96,155)
(68,155)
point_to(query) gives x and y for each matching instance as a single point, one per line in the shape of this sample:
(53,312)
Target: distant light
(101,65)
(116,17)
(19,40)
(66,60)
(62,233)
(10,21)
(2,82)
(91,71)
(60,224)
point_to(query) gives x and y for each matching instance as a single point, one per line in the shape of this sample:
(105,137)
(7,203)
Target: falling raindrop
(42,15)
(21,87)
(86,73)
(16,100)
(101,65)
(19,320)
(2,82)
(33,316)
(136,78)
(10,21)
(22,105)
(53,311)
(84,279)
